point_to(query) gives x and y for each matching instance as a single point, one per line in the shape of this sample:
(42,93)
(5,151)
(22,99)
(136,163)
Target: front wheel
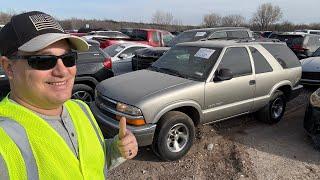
(82,92)
(274,110)
(174,136)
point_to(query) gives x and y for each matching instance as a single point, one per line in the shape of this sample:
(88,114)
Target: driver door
(235,96)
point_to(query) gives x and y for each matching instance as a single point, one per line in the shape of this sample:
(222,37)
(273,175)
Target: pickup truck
(151,37)
(198,83)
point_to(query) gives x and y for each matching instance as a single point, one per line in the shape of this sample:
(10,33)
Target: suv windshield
(113,49)
(188,62)
(189,36)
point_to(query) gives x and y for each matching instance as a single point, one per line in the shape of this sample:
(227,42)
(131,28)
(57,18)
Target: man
(44,134)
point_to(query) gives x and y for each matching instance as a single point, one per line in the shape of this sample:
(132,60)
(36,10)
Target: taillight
(298,48)
(107,63)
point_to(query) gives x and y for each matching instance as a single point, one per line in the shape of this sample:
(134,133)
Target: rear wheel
(82,92)
(174,136)
(274,110)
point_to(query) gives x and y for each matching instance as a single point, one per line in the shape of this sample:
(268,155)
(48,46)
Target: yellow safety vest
(50,157)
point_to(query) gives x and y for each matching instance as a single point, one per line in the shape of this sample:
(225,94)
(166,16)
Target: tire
(316,141)
(274,110)
(173,128)
(82,92)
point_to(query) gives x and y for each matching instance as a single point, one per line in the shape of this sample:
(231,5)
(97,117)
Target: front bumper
(310,82)
(110,127)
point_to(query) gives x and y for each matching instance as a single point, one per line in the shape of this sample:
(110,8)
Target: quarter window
(237,60)
(261,65)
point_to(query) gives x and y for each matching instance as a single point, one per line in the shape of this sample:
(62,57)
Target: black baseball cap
(33,31)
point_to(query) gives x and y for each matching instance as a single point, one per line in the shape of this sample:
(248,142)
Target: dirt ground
(243,148)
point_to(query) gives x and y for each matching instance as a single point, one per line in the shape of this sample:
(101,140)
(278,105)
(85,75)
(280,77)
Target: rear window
(189,36)
(237,34)
(285,57)
(140,35)
(291,40)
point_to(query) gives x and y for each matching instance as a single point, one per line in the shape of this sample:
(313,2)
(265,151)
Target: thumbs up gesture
(127,144)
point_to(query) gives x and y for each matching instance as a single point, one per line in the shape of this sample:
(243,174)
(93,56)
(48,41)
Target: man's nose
(59,69)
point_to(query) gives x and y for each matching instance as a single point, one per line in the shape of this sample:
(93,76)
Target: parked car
(311,69)
(93,66)
(212,33)
(197,83)
(104,35)
(121,55)
(143,58)
(309,31)
(302,44)
(151,37)
(312,118)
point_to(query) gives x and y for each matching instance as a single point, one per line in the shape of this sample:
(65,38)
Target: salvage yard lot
(243,148)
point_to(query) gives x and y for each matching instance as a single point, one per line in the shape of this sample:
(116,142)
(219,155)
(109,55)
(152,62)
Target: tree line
(266,18)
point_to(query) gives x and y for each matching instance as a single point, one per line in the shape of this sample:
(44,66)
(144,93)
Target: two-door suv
(197,83)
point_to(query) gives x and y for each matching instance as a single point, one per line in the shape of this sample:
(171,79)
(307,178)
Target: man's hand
(128,145)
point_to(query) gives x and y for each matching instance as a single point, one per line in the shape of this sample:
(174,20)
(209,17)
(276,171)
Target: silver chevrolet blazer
(198,83)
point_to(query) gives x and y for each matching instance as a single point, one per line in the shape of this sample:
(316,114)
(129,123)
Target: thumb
(122,127)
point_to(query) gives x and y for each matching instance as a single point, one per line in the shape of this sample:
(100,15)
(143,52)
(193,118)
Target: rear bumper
(110,127)
(295,92)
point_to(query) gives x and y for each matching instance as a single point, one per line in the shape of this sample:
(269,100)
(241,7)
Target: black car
(93,66)
(302,44)
(143,58)
(312,118)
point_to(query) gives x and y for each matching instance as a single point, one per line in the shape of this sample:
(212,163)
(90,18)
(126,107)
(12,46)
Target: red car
(152,37)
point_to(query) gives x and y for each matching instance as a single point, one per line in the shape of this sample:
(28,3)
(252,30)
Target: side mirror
(223,74)
(123,56)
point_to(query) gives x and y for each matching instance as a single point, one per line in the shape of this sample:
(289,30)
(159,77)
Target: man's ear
(6,66)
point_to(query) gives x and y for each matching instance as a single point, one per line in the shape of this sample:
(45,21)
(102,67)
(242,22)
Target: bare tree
(6,16)
(266,15)
(211,20)
(163,18)
(233,20)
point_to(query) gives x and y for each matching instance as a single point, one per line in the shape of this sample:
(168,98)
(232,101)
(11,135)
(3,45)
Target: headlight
(131,110)
(315,98)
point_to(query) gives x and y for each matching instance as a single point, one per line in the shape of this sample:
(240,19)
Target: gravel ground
(243,148)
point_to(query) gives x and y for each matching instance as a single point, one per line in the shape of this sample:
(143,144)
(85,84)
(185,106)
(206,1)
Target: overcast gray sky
(188,11)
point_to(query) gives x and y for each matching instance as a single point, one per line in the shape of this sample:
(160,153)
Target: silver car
(121,55)
(197,83)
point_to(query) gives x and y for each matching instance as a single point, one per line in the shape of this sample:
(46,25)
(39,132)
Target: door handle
(252,82)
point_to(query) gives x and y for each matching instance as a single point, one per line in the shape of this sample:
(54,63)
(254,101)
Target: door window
(237,60)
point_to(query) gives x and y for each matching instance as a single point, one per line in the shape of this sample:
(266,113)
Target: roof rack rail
(258,40)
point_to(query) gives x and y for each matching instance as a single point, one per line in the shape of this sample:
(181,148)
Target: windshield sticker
(204,53)
(200,34)
(199,73)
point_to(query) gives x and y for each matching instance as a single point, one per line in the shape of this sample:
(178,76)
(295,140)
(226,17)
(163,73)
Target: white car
(106,35)
(311,69)
(121,55)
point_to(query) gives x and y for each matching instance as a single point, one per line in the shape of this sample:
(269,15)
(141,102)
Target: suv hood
(135,86)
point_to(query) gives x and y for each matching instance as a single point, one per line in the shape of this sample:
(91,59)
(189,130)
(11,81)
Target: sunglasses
(46,62)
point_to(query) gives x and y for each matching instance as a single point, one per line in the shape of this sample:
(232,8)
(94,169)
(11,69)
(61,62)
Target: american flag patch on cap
(44,21)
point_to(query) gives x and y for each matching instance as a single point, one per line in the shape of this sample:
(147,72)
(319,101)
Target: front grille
(311,75)
(102,102)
